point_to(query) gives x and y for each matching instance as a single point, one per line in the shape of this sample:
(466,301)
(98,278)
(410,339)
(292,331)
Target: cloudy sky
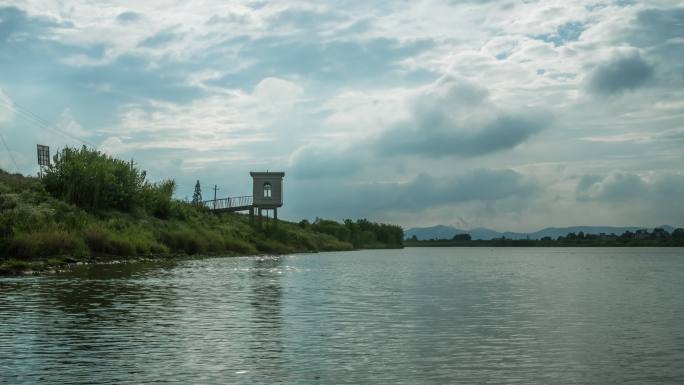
(504,114)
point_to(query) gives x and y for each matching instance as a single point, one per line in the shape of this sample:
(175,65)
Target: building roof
(267,173)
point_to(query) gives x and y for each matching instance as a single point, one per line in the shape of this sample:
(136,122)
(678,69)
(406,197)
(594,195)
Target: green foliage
(89,206)
(192,240)
(17,182)
(95,181)
(361,234)
(295,237)
(127,240)
(158,198)
(45,243)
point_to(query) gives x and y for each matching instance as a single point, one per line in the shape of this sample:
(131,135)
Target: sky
(511,115)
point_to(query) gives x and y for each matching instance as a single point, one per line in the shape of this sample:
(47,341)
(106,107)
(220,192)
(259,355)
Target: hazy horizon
(494,114)
(547,227)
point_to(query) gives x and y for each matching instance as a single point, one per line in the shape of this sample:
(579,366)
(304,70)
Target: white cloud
(223,160)
(356,114)
(227,119)
(67,123)
(311,83)
(278,93)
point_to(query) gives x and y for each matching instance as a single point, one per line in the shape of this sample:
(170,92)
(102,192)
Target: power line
(32,117)
(16,168)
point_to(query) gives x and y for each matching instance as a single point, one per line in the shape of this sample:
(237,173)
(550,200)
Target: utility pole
(132,164)
(215,190)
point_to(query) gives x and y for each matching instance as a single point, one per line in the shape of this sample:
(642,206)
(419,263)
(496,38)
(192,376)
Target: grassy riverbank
(90,208)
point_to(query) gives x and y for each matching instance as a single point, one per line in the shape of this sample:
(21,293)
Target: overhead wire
(28,115)
(16,168)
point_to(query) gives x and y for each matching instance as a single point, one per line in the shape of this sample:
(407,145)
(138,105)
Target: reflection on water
(411,316)
(266,292)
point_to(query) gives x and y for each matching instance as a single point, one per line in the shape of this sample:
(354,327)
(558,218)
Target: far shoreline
(540,243)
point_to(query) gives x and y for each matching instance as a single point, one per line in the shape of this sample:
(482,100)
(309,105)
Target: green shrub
(183,241)
(239,246)
(60,242)
(17,265)
(122,247)
(157,198)
(8,201)
(93,180)
(21,246)
(46,243)
(17,182)
(121,240)
(273,246)
(361,233)
(97,240)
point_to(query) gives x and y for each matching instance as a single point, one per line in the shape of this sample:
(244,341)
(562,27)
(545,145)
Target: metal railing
(229,203)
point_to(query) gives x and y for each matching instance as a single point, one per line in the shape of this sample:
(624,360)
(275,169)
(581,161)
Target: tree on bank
(197,195)
(95,181)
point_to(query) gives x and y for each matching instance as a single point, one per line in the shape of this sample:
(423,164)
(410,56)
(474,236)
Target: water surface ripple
(413,316)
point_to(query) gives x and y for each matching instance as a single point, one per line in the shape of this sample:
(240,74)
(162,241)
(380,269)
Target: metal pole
(215,189)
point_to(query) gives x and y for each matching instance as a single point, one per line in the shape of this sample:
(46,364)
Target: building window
(267,190)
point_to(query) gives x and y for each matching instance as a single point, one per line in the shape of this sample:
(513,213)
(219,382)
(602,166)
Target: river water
(412,316)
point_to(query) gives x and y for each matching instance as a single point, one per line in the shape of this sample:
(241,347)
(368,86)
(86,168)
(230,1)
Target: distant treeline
(361,234)
(657,237)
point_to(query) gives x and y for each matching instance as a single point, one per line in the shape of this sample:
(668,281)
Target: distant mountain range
(447,232)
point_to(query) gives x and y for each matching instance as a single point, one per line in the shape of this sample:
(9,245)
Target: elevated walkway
(231,204)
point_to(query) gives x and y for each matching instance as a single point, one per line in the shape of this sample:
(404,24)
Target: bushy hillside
(89,206)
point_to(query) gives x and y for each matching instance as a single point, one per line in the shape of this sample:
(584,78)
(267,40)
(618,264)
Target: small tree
(462,237)
(197,195)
